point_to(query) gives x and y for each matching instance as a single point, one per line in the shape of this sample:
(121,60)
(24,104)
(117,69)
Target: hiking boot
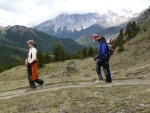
(42,86)
(99,81)
(108,81)
(33,89)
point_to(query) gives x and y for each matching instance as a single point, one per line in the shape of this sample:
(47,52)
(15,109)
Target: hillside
(86,37)
(13,40)
(20,34)
(9,54)
(73,89)
(144,17)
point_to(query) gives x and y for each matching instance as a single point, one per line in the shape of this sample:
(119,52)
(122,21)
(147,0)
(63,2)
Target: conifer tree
(90,52)
(80,54)
(131,30)
(59,53)
(56,53)
(40,58)
(62,54)
(84,52)
(47,58)
(128,31)
(120,39)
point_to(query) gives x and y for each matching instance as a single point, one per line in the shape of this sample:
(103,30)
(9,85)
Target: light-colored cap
(30,42)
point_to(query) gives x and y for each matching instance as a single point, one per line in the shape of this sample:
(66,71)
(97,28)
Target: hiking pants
(31,82)
(106,69)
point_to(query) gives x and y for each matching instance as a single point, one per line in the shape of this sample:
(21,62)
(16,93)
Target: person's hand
(94,58)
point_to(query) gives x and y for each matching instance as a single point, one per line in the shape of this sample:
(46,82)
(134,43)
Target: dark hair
(35,45)
(101,39)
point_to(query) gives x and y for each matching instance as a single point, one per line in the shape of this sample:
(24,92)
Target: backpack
(110,47)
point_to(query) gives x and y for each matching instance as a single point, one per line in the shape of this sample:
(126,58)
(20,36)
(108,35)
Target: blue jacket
(102,53)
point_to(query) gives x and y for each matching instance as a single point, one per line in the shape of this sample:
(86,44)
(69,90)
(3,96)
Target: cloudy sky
(33,12)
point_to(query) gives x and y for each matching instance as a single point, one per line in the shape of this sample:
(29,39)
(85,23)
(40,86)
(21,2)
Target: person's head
(102,39)
(31,43)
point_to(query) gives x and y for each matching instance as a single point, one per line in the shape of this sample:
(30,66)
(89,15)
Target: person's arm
(33,51)
(98,55)
(26,60)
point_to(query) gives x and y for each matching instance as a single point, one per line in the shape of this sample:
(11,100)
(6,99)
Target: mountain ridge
(77,22)
(13,41)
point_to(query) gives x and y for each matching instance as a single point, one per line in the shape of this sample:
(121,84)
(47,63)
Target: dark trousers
(31,82)
(106,69)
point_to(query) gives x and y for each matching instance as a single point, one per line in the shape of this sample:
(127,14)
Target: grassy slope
(134,62)
(135,59)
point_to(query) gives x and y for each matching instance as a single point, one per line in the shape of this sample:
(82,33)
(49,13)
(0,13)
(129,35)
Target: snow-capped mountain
(76,22)
(71,23)
(144,17)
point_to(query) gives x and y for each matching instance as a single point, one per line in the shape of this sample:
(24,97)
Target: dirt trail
(54,87)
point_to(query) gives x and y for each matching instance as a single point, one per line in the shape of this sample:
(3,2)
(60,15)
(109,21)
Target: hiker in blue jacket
(103,59)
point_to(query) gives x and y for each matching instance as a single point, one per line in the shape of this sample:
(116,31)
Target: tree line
(59,54)
(130,32)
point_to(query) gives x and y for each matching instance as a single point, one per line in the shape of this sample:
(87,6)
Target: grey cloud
(9,6)
(19,6)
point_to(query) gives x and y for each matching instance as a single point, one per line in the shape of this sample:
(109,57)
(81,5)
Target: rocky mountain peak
(78,22)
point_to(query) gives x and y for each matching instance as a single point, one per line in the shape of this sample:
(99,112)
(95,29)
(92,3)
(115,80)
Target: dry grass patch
(127,98)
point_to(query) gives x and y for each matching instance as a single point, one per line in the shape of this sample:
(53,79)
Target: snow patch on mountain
(77,22)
